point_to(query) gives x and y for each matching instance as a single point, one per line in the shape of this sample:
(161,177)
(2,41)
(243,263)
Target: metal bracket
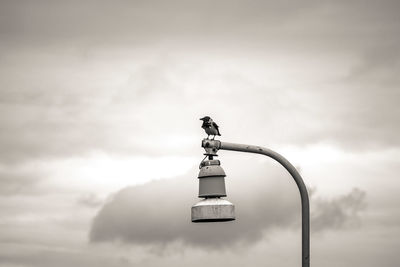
(211,147)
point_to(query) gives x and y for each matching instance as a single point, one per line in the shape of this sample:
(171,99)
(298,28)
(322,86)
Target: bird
(210,127)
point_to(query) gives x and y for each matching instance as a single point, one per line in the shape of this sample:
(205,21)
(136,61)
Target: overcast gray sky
(100,134)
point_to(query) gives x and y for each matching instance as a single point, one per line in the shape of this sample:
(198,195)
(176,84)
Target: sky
(100,133)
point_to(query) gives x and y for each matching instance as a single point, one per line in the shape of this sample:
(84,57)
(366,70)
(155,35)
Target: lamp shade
(213,210)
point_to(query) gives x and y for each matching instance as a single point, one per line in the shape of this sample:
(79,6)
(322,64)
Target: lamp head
(212,187)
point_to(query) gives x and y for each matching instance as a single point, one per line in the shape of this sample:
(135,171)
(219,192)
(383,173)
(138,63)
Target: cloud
(141,23)
(158,213)
(70,86)
(137,22)
(90,200)
(341,212)
(126,114)
(21,179)
(51,256)
(14,183)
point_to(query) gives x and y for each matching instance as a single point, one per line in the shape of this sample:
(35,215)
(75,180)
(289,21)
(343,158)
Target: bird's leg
(213,137)
(208,136)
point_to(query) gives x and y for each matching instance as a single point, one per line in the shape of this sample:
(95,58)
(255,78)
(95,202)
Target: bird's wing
(216,127)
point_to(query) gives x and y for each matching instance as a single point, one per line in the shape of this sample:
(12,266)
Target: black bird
(210,127)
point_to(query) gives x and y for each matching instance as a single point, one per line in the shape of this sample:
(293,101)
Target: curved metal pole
(215,145)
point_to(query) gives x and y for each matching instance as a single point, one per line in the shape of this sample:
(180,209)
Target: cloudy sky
(100,134)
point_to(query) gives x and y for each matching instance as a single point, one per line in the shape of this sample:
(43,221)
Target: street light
(212,187)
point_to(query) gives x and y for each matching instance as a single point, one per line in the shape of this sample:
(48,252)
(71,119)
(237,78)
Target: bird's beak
(202,119)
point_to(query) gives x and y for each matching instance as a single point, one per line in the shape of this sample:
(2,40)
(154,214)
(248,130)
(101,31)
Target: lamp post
(212,187)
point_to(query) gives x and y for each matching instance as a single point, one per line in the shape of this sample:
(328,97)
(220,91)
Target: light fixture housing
(212,187)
